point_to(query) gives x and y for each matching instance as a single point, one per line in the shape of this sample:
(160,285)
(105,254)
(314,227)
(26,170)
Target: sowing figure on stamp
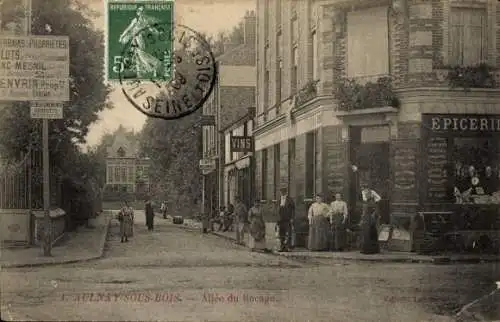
(140,60)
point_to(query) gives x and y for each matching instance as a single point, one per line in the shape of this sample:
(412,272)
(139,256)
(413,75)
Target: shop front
(461,176)
(239,180)
(446,185)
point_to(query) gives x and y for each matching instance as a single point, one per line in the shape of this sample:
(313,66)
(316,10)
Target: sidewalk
(83,245)
(384,256)
(486,308)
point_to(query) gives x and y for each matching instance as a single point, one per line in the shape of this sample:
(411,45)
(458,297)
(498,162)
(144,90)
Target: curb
(441,260)
(68,261)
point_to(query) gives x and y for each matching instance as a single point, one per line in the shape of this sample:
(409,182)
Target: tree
(88,93)
(174,148)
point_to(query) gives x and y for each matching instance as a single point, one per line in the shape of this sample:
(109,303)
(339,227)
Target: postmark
(193,74)
(143,25)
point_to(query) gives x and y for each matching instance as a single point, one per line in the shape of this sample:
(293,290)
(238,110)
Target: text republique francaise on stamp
(164,70)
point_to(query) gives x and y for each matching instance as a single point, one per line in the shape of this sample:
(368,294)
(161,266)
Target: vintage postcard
(250,160)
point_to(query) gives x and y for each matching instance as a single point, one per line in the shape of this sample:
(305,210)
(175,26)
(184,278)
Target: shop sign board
(241,144)
(43,110)
(34,68)
(461,123)
(207,165)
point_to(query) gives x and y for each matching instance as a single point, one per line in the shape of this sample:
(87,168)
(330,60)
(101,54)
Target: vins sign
(241,144)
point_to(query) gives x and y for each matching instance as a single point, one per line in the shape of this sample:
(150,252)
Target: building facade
(233,95)
(126,171)
(238,160)
(398,94)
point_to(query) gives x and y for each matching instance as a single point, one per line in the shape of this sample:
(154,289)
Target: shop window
(468,41)
(295,67)
(314,53)
(276,168)
(476,170)
(279,69)
(311,157)
(291,165)
(264,174)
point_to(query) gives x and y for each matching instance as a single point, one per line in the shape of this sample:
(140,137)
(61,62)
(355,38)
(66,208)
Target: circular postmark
(167,84)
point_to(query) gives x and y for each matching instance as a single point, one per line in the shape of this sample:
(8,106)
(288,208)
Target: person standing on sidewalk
(126,218)
(286,215)
(150,215)
(241,216)
(369,220)
(338,219)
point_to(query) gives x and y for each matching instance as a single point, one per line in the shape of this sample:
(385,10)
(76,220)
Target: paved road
(172,274)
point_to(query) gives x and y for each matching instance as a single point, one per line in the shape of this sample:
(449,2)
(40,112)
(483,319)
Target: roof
(242,55)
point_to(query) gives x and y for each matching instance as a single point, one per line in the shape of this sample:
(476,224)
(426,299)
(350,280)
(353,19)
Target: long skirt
(126,227)
(254,244)
(339,236)
(319,233)
(369,233)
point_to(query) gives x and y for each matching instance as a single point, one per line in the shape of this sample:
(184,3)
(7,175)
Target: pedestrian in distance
(338,218)
(126,218)
(286,216)
(229,218)
(164,209)
(241,217)
(150,215)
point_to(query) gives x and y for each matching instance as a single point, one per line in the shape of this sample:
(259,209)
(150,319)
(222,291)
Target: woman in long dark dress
(149,215)
(369,242)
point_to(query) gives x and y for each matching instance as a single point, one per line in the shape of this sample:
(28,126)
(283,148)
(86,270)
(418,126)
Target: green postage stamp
(139,39)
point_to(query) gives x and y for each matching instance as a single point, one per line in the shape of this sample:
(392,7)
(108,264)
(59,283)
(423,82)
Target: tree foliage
(234,37)
(174,148)
(88,94)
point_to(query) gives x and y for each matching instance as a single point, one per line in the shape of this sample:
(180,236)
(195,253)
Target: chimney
(250,28)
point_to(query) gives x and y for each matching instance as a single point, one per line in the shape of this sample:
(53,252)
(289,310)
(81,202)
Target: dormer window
(120,152)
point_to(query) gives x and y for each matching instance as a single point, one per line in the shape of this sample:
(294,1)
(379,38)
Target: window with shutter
(295,65)
(367,43)
(468,41)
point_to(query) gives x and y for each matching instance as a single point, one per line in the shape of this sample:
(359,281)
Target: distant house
(126,170)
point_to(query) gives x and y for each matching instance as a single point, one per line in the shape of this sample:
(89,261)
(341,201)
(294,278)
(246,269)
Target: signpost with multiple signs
(36,69)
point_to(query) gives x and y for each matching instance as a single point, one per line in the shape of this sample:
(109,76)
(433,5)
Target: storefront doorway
(370,153)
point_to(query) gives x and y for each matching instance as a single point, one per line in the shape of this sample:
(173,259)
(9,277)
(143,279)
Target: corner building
(385,86)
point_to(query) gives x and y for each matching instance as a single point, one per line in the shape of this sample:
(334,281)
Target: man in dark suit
(286,215)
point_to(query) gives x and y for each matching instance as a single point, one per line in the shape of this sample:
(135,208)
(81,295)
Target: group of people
(327,223)
(126,218)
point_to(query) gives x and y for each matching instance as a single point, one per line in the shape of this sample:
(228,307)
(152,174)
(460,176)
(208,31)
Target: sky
(206,16)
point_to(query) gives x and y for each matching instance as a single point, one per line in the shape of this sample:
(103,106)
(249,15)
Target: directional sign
(34,68)
(46,110)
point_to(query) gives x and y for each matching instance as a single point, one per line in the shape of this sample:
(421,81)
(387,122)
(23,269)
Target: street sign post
(46,110)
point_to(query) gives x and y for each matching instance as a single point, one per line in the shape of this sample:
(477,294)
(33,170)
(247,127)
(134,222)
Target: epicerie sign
(34,68)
